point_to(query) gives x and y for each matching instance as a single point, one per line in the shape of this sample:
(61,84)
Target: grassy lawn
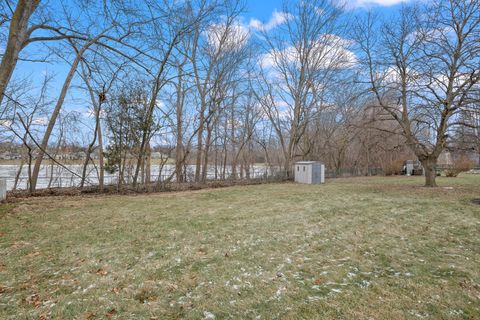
(360,248)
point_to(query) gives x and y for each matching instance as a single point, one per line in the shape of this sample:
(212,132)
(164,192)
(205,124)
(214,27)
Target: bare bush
(393,167)
(458,166)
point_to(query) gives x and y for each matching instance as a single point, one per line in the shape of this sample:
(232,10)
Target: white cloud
(276,19)
(331,51)
(386,3)
(229,37)
(5,123)
(267,60)
(41,121)
(160,104)
(277,108)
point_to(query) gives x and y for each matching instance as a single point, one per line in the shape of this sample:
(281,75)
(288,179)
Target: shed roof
(308,162)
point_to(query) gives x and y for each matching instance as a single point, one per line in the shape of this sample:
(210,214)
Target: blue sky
(260,12)
(262,9)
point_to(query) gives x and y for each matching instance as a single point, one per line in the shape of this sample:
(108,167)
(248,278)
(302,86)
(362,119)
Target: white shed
(311,172)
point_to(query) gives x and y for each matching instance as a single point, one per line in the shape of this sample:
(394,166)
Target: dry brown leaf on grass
(35,300)
(44,316)
(89,316)
(19,244)
(99,271)
(116,290)
(111,313)
(32,254)
(317,281)
(172,287)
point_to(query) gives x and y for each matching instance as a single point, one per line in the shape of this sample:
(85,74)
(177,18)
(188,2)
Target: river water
(69,175)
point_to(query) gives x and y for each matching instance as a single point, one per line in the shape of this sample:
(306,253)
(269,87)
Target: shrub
(393,167)
(459,165)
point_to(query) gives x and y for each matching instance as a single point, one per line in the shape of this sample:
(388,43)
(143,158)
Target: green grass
(360,248)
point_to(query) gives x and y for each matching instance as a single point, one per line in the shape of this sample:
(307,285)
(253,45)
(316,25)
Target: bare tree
(25,119)
(301,60)
(179,26)
(426,73)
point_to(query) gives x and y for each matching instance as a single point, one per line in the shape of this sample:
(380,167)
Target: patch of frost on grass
(208,315)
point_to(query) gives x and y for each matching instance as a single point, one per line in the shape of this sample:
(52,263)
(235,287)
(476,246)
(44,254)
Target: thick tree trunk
(179,161)
(17,36)
(288,168)
(429,165)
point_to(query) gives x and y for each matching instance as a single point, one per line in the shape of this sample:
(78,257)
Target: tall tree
(303,57)
(426,72)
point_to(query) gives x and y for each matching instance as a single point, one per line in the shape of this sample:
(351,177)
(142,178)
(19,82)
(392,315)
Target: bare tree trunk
(17,175)
(216,163)
(85,163)
(29,160)
(100,157)
(179,161)
(148,163)
(232,142)
(18,33)
(198,162)
(55,153)
(206,150)
(225,149)
(90,147)
(179,148)
(51,124)
(122,167)
(141,153)
(29,170)
(56,112)
(122,160)
(97,133)
(147,131)
(429,165)
(52,168)
(142,170)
